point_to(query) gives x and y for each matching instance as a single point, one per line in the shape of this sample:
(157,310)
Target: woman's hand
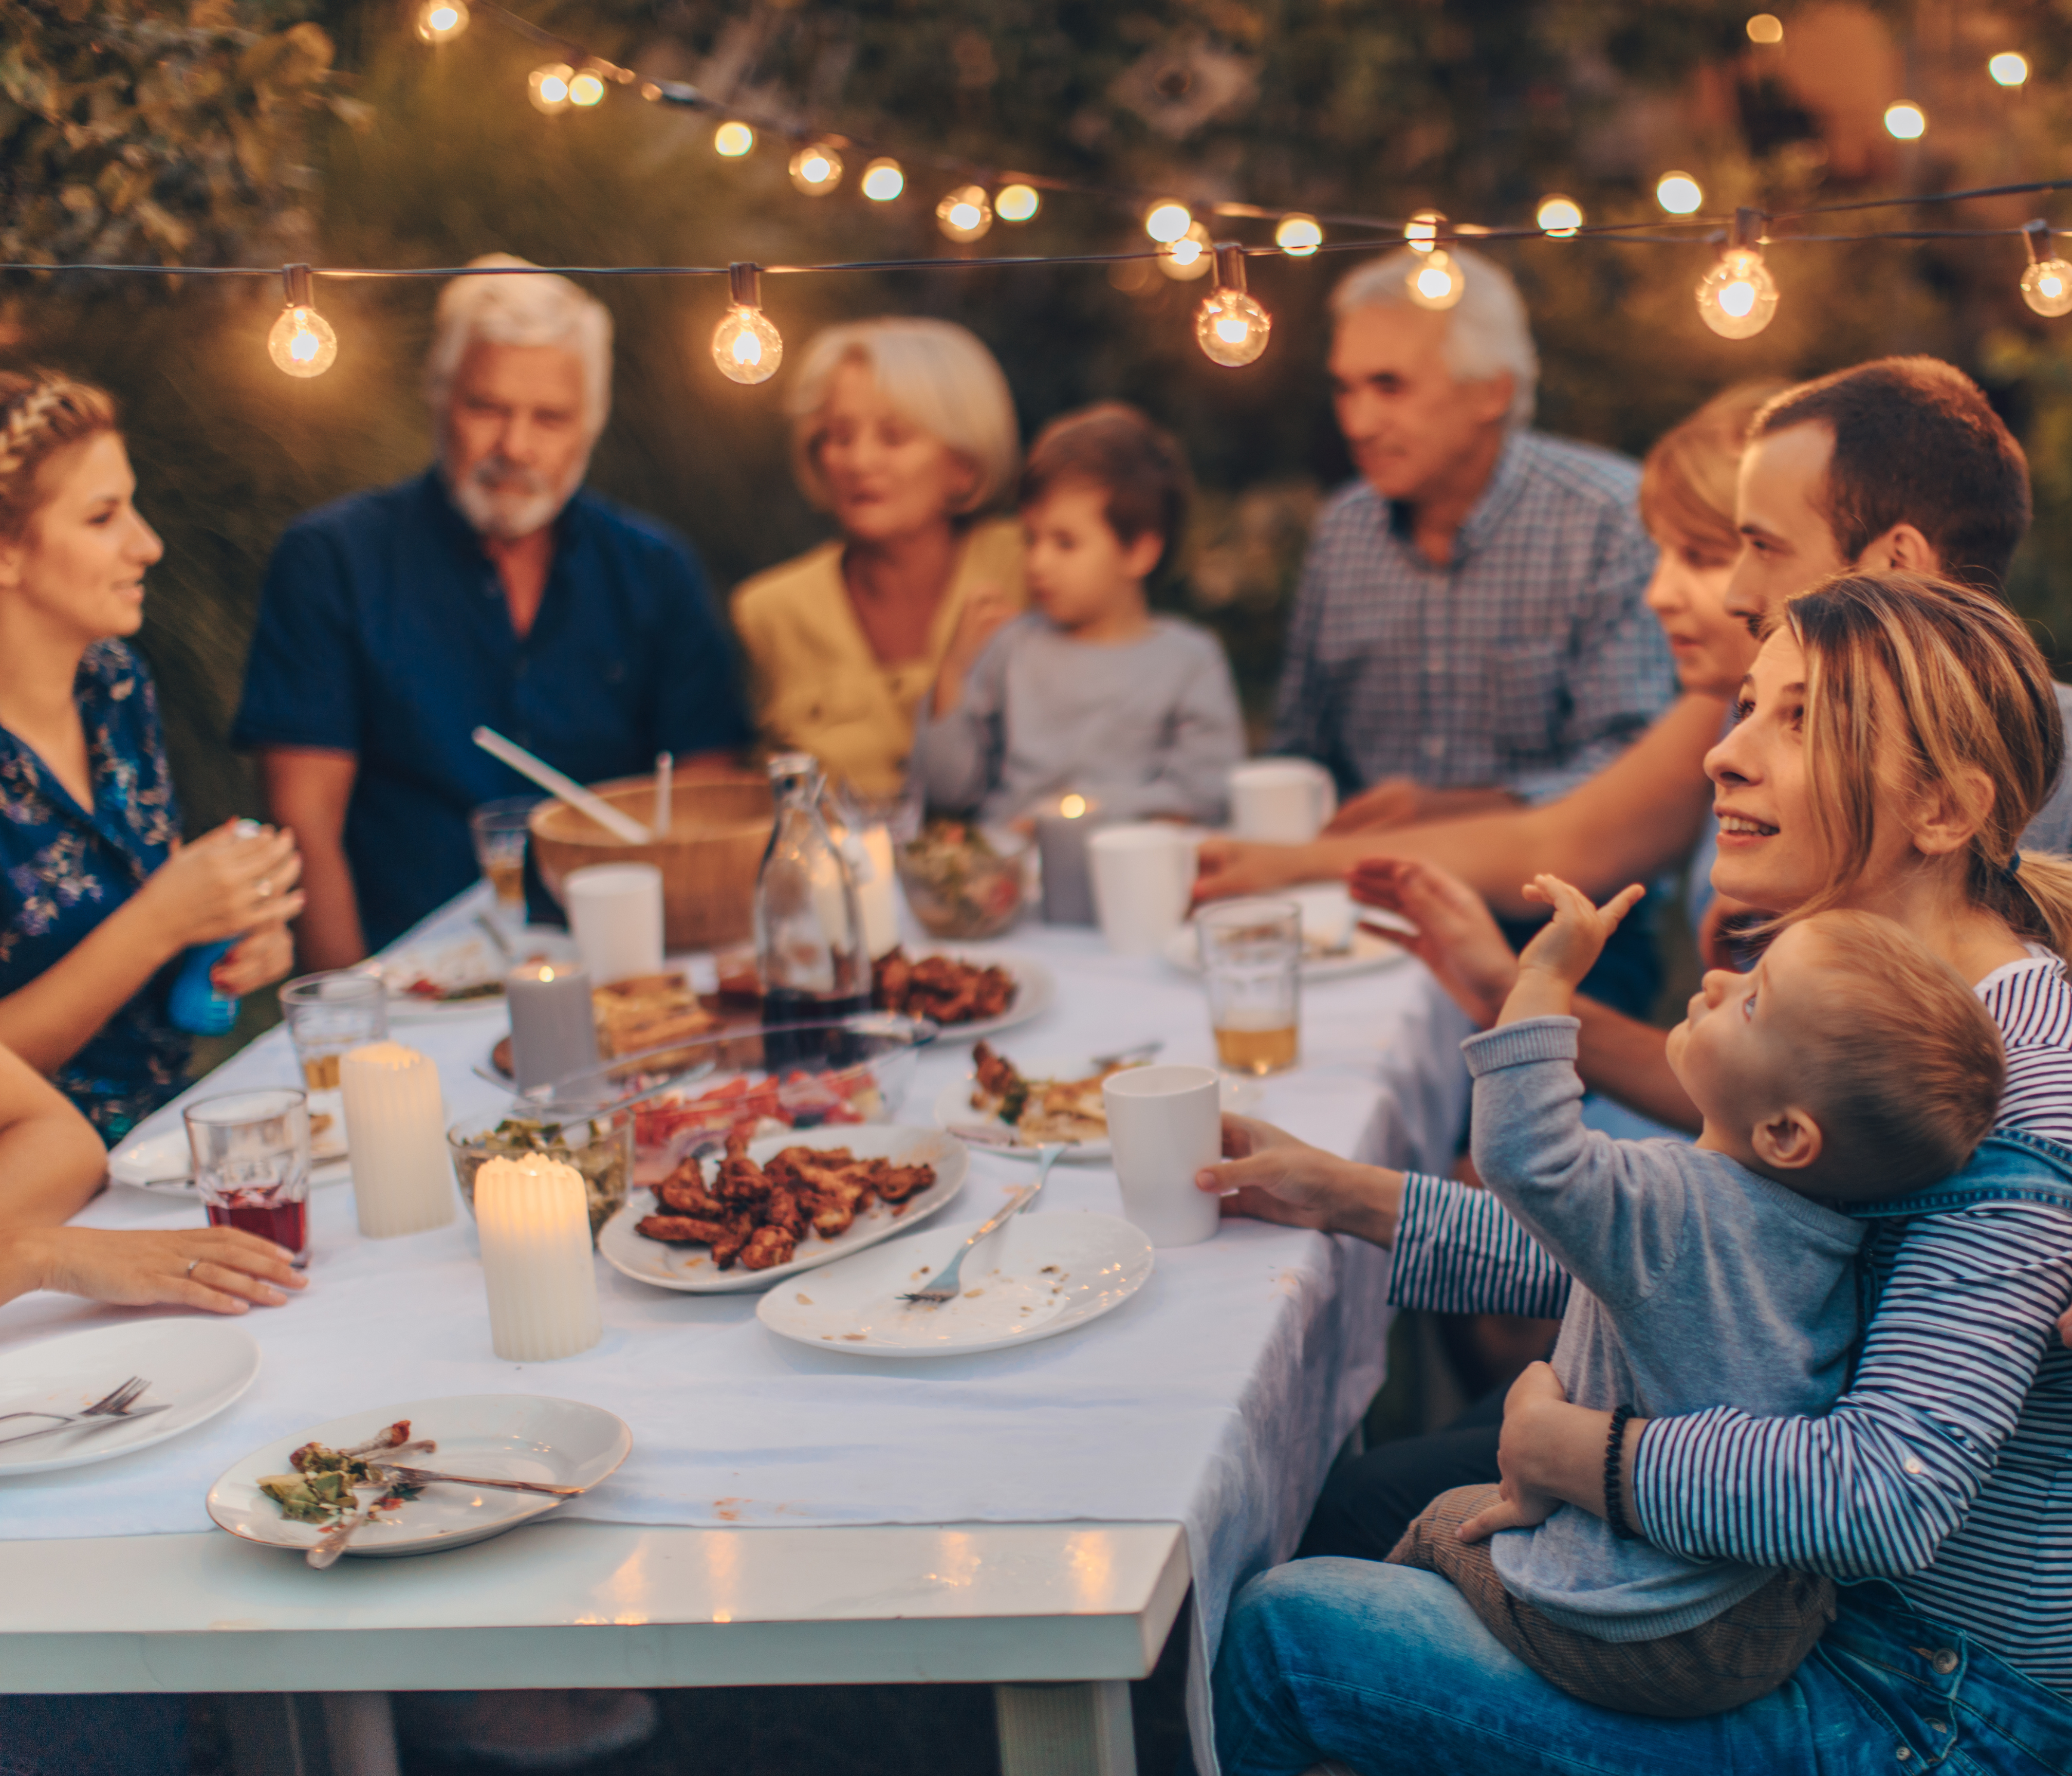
(1268,1174)
(223,885)
(1457,937)
(257,960)
(1224,867)
(1393,802)
(1519,1505)
(222,1270)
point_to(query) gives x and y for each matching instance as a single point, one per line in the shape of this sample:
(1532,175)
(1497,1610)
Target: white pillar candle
(877,890)
(395,1135)
(554,1026)
(534,1220)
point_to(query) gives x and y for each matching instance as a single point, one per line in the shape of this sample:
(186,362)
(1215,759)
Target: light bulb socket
(1230,266)
(2034,235)
(744,284)
(1749,224)
(301,286)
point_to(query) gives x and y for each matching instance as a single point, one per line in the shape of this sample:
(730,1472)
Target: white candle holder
(395,1135)
(534,1220)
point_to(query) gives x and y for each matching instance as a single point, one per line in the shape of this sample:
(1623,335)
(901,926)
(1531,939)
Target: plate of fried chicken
(965,993)
(730,1223)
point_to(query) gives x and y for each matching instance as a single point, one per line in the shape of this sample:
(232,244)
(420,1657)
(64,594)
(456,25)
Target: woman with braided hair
(99,899)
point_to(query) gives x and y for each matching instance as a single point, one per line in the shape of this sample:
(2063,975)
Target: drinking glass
(251,1165)
(501,830)
(327,1014)
(1252,957)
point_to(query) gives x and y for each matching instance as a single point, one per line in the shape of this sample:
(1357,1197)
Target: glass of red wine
(252,1164)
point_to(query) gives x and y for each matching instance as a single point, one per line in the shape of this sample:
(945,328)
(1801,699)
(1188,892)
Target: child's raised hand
(1568,945)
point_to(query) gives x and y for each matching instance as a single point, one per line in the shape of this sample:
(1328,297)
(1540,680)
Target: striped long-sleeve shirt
(1947,1466)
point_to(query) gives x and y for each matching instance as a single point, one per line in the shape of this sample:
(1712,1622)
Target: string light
(817,169)
(965,213)
(1439,282)
(1189,257)
(733,140)
(441,20)
(1229,326)
(1168,220)
(549,86)
(1906,120)
(2046,285)
(1765,28)
(745,346)
(1016,202)
(1679,193)
(1422,230)
(1299,236)
(1559,217)
(586,88)
(301,342)
(1738,296)
(2008,69)
(883,181)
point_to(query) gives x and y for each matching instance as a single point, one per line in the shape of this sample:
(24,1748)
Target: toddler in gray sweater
(1851,1064)
(1089,693)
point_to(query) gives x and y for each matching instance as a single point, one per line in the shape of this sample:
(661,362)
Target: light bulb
(1560,217)
(1168,221)
(1906,121)
(1189,257)
(883,181)
(549,86)
(1679,193)
(1016,202)
(745,345)
(1229,326)
(1765,28)
(1738,296)
(817,169)
(2046,287)
(733,140)
(1421,232)
(303,343)
(965,214)
(586,89)
(1298,235)
(2008,69)
(441,20)
(1439,282)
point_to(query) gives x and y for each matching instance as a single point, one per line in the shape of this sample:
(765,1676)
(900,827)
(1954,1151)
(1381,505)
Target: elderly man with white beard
(491,589)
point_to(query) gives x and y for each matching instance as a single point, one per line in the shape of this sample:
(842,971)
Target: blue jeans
(1385,1668)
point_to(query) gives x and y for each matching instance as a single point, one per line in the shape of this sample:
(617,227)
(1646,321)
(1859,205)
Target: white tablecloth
(1216,1398)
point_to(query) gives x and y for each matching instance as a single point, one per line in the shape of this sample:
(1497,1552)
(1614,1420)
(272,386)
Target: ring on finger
(265,888)
(191,1262)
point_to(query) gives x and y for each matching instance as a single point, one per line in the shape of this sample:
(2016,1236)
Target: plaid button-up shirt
(1527,663)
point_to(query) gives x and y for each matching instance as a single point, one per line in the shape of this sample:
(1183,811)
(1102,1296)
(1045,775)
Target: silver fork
(944,1287)
(113,1404)
(1139,1052)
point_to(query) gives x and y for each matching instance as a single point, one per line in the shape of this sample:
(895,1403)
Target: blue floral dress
(63,870)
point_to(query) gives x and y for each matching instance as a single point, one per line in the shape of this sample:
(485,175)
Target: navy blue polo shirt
(384,632)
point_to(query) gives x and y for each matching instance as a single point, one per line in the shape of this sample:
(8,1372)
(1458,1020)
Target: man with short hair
(1469,633)
(490,590)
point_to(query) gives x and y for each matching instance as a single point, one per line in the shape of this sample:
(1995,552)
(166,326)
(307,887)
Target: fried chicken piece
(889,977)
(734,1235)
(767,1248)
(781,1210)
(684,1230)
(996,1074)
(684,1192)
(832,1216)
(897,1183)
(741,1181)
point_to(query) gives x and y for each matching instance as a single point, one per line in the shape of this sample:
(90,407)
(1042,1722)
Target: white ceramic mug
(1165,1123)
(1143,881)
(1280,801)
(615,912)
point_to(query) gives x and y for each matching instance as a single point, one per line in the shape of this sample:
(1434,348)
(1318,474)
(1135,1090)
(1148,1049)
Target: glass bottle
(809,937)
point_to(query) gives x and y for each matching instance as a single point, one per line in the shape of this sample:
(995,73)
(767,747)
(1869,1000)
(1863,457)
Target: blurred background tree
(253,131)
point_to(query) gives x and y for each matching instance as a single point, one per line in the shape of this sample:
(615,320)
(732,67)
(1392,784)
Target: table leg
(1064,1729)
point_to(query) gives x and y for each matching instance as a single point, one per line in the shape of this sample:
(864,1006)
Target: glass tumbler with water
(328,1015)
(1251,959)
(501,830)
(251,1165)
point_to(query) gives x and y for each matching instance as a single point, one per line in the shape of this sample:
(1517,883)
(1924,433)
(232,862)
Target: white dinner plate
(502,1437)
(466,963)
(953,1110)
(196,1367)
(1039,1276)
(163,1164)
(1035,990)
(690,1268)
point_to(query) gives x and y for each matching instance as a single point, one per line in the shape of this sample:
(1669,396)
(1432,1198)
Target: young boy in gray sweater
(1851,1064)
(1089,693)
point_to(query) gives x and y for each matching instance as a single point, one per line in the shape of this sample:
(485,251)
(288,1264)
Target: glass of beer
(1251,957)
(251,1165)
(327,1014)
(500,829)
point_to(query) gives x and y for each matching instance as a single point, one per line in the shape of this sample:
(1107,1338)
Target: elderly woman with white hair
(491,589)
(904,432)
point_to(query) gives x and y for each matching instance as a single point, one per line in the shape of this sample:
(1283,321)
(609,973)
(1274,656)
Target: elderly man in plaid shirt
(1470,632)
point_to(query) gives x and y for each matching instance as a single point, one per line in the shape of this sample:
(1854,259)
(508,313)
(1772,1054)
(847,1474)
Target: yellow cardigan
(818,686)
